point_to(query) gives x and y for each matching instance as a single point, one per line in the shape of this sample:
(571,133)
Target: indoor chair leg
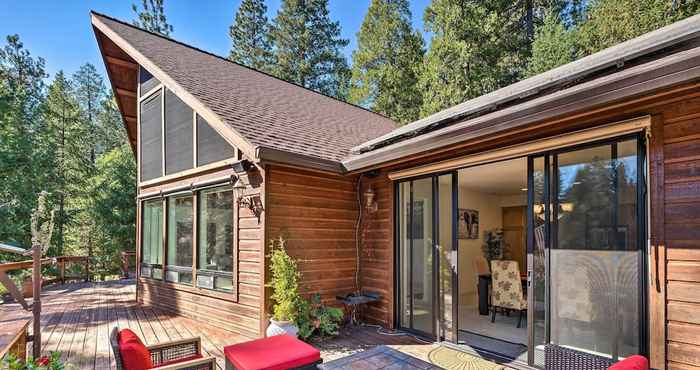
(520,319)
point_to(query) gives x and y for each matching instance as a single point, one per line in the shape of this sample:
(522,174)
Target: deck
(77,319)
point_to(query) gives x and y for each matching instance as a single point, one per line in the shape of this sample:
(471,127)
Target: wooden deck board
(78,318)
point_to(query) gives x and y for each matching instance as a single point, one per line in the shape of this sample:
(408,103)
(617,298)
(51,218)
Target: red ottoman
(274,353)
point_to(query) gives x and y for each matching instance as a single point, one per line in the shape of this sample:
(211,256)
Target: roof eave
(272,155)
(664,73)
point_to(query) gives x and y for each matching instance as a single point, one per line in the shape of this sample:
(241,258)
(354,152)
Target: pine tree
(610,22)
(554,45)
(22,166)
(384,71)
(152,17)
(250,36)
(89,91)
(307,47)
(63,140)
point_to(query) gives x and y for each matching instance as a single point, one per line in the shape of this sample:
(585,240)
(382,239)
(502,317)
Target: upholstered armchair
(507,289)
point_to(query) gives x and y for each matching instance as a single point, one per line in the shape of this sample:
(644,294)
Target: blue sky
(60,32)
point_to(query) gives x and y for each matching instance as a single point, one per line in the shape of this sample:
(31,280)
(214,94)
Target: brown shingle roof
(266,111)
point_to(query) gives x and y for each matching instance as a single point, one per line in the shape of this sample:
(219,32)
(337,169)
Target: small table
(484,282)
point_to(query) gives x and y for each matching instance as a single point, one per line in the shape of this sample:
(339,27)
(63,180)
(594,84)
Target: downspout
(357,234)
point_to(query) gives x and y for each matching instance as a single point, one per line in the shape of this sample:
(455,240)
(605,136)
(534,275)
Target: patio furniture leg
(493,315)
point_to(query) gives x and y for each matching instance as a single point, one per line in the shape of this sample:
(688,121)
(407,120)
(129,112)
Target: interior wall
(490,217)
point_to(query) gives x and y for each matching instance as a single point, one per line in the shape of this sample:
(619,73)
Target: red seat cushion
(134,354)
(274,353)
(635,362)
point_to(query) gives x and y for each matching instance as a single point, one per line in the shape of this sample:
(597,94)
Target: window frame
(233,274)
(166,242)
(147,269)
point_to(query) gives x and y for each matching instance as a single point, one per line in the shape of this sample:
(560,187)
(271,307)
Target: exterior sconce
(370,204)
(252,202)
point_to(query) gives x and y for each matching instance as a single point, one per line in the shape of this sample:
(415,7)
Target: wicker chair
(163,354)
(562,358)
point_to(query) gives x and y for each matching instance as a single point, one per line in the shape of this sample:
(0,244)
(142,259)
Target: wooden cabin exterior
(304,186)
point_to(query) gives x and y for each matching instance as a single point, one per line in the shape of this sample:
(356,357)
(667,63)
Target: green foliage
(53,362)
(284,282)
(610,22)
(477,47)
(22,163)
(250,36)
(554,45)
(494,246)
(385,64)
(307,47)
(315,318)
(152,17)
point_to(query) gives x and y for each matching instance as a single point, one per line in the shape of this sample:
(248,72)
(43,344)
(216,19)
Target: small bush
(45,363)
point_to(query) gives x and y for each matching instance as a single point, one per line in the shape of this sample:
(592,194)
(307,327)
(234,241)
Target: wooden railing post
(62,270)
(87,268)
(36,303)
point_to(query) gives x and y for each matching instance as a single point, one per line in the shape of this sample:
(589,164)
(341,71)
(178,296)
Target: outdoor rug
(380,357)
(452,359)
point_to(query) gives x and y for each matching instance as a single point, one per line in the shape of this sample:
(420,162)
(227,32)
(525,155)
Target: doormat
(452,359)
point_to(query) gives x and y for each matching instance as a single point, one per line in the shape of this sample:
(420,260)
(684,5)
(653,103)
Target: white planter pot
(282,327)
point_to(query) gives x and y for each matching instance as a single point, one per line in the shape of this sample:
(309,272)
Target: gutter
(297,160)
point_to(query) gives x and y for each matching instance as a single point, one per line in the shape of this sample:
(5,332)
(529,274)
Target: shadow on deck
(77,319)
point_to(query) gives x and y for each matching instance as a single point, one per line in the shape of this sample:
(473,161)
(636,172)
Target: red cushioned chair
(131,354)
(279,352)
(635,362)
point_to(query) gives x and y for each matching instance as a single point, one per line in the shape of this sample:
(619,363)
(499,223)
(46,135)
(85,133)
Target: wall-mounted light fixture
(252,202)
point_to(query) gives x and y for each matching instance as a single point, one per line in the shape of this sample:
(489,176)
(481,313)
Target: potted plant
(494,246)
(285,291)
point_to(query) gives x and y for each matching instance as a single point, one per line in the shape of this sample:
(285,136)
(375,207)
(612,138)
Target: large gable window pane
(148,82)
(211,147)
(178,134)
(151,141)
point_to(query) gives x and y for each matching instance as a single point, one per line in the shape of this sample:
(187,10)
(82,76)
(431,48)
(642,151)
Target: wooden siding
(316,213)
(240,312)
(681,152)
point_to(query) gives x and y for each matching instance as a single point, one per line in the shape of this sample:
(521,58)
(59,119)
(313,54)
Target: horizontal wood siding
(316,214)
(240,313)
(682,231)
(377,267)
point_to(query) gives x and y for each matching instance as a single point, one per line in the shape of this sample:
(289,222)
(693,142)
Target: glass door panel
(538,231)
(422,256)
(448,259)
(418,285)
(595,261)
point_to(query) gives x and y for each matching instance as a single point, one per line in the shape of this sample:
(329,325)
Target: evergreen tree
(63,141)
(554,45)
(111,206)
(22,166)
(307,47)
(89,91)
(250,36)
(111,132)
(152,17)
(384,71)
(610,22)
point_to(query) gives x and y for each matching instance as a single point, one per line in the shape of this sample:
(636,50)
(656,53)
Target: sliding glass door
(427,268)
(586,227)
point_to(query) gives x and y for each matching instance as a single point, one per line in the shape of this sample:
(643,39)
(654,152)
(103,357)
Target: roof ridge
(238,64)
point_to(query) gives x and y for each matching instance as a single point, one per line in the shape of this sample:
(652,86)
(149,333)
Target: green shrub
(284,282)
(54,363)
(315,318)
